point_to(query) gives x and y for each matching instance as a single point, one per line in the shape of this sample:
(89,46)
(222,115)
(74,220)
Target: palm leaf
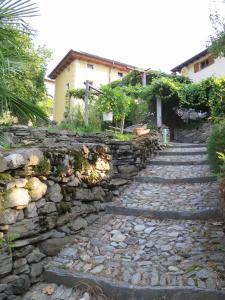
(19,107)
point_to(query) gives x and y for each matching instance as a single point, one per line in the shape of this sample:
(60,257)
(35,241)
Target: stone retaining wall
(195,135)
(51,189)
(46,197)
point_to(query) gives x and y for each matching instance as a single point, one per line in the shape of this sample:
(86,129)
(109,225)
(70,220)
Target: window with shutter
(196,67)
(211,60)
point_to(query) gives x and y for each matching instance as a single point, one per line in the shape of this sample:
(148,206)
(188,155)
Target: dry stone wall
(52,185)
(195,135)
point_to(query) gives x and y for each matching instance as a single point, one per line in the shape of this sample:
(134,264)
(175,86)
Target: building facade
(77,67)
(201,66)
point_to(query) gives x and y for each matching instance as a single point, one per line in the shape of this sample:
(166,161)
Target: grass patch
(123,137)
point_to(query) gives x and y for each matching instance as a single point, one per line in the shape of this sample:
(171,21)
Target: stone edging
(177,163)
(123,291)
(207,214)
(189,146)
(173,153)
(146,179)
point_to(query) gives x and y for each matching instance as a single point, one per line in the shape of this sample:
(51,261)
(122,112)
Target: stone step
(177,163)
(195,159)
(167,153)
(151,179)
(139,257)
(196,199)
(204,214)
(55,292)
(183,145)
(169,173)
(121,291)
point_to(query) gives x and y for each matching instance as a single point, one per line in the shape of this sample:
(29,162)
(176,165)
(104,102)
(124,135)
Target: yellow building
(77,67)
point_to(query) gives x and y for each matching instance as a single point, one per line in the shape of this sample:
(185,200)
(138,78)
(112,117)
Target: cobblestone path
(161,240)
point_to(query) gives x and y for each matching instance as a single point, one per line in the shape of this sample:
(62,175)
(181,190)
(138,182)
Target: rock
(20,182)
(69,252)
(57,234)
(75,182)
(17,197)
(35,256)
(40,203)
(20,215)
(25,269)
(204,274)
(128,169)
(8,216)
(24,228)
(166,247)
(173,269)
(96,193)
(21,284)
(138,228)
(22,252)
(32,156)
(97,269)
(48,208)
(31,210)
(117,236)
(5,261)
(3,164)
(78,223)
(117,182)
(149,230)
(36,269)
(54,193)
(15,161)
(37,189)
(52,247)
(19,263)
(136,278)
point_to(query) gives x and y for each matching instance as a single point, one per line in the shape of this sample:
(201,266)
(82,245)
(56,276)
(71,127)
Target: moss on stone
(63,207)
(80,162)
(6,176)
(43,168)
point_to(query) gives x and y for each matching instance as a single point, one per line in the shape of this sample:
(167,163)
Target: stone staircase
(162,239)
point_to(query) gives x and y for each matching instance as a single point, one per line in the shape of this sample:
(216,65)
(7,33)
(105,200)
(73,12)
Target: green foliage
(80,162)
(22,67)
(217,41)
(8,241)
(5,176)
(114,100)
(207,95)
(123,137)
(216,144)
(76,93)
(47,105)
(221,157)
(134,78)
(163,88)
(75,121)
(43,168)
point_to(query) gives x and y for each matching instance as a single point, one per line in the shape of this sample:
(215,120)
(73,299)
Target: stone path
(180,255)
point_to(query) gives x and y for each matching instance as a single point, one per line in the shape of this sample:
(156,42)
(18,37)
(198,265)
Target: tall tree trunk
(122,124)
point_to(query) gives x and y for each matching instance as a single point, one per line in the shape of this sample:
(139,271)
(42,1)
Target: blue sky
(156,34)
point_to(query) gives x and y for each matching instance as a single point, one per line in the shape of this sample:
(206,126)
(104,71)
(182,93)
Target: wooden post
(144,79)
(86,117)
(159,112)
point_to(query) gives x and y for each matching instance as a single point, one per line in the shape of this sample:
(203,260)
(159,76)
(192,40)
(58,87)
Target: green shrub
(216,144)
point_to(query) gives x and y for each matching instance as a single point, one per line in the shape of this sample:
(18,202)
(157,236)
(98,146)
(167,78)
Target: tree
(17,87)
(115,100)
(217,41)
